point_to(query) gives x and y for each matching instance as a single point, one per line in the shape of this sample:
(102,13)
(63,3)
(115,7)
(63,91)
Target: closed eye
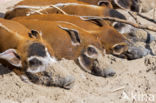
(91,51)
(35,62)
(118,47)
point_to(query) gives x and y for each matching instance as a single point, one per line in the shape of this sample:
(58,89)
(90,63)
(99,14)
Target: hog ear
(12,57)
(94,20)
(74,35)
(35,34)
(104,3)
(125,4)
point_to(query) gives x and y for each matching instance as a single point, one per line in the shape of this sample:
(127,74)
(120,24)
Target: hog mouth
(43,78)
(106,72)
(133,53)
(136,52)
(49,79)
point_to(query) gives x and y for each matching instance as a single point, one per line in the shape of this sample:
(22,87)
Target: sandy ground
(135,82)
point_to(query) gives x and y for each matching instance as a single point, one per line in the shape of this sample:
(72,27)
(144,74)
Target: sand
(135,81)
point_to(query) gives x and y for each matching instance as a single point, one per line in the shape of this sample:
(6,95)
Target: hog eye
(118,47)
(35,62)
(104,3)
(91,50)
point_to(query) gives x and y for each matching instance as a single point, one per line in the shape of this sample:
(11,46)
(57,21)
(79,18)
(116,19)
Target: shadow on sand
(4,70)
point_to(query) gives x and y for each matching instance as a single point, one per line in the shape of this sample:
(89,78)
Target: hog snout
(136,52)
(55,75)
(106,72)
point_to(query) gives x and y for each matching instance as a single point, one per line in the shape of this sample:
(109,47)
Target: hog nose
(136,52)
(47,79)
(108,72)
(66,82)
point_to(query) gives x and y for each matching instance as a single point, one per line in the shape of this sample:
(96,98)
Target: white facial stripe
(46,61)
(82,18)
(77,4)
(116,2)
(82,65)
(48,58)
(66,28)
(38,9)
(40,33)
(90,17)
(11,31)
(93,56)
(39,69)
(52,59)
(31,7)
(33,11)
(72,25)
(59,9)
(75,44)
(57,5)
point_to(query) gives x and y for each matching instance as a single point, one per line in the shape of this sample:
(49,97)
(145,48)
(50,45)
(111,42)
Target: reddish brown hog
(112,41)
(72,42)
(69,8)
(28,54)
